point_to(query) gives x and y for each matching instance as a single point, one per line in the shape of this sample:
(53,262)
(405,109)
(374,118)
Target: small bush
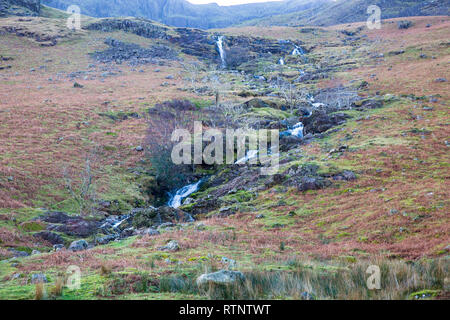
(39,292)
(404,24)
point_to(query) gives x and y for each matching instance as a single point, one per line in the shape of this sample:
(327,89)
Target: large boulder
(171,246)
(151,216)
(320,121)
(70,225)
(78,245)
(222,277)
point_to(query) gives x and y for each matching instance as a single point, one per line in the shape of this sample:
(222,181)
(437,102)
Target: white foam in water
(281,61)
(297,130)
(297,51)
(221,51)
(182,193)
(250,155)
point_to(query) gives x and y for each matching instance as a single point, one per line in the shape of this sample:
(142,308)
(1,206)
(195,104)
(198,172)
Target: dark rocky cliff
(20,7)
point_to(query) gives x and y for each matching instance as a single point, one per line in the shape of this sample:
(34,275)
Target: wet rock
(78,245)
(171,246)
(222,277)
(289,142)
(320,121)
(49,236)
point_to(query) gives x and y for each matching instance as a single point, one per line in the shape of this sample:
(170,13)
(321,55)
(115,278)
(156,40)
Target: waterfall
(281,61)
(250,155)
(297,131)
(180,194)
(221,51)
(298,51)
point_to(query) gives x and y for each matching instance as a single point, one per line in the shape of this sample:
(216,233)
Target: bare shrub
(191,75)
(39,293)
(163,119)
(81,185)
(293,97)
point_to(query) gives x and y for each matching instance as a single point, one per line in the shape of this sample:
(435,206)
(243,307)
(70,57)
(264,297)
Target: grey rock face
(222,277)
(171,246)
(78,245)
(38,278)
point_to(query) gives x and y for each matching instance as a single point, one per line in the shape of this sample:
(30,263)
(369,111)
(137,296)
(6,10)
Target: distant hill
(20,7)
(181,13)
(345,11)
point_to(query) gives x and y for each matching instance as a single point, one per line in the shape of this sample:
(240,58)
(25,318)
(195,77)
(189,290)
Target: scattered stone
(222,277)
(171,246)
(35,252)
(440,80)
(139,148)
(77,85)
(38,278)
(78,245)
(58,247)
(259,216)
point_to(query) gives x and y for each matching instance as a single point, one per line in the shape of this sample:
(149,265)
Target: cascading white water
(250,155)
(180,194)
(298,51)
(281,61)
(297,130)
(221,51)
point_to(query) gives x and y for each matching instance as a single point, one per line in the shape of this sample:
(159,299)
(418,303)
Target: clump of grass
(57,290)
(105,270)
(39,293)
(311,280)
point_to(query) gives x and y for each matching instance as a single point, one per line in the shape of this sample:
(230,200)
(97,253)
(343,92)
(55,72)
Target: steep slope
(20,7)
(77,95)
(344,11)
(182,13)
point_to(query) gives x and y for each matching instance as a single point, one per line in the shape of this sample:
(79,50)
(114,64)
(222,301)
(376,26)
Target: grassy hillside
(355,10)
(286,241)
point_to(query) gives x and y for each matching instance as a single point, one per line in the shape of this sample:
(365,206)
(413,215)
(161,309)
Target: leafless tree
(81,185)
(192,70)
(293,96)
